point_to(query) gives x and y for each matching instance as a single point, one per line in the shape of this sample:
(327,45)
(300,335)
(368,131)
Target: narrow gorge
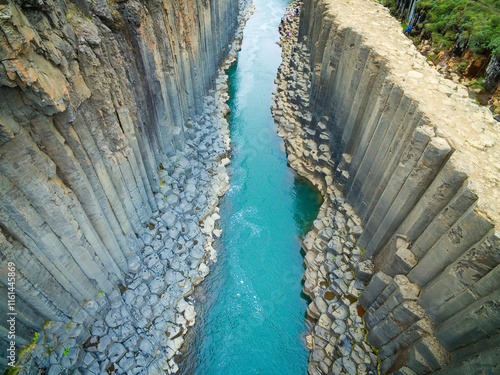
(115,149)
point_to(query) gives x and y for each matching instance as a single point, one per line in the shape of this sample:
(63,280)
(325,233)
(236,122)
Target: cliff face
(95,96)
(410,165)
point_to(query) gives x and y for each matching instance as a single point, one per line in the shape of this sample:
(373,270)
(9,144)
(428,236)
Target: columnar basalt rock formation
(112,158)
(411,164)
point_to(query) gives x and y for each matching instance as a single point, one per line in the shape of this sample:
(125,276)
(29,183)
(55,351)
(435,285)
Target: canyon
(113,153)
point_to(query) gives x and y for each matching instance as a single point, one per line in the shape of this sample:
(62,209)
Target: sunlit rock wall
(93,94)
(418,161)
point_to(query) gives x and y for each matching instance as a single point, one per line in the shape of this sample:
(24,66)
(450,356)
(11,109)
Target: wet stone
(54,370)
(341,312)
(157,285)
(88,358)
(142,290)
(129,296)
(146,347)
(104,342)
(127,363)
(134,264)
(92,307)
(349,366)
(339,327)
(131,343)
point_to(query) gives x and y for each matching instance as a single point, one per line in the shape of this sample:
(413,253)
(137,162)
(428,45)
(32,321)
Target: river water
(250,310)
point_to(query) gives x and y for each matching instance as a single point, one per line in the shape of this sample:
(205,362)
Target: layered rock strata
(411,165)
(113,148)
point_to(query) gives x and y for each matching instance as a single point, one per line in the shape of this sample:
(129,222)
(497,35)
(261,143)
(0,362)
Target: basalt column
(93,96)
(413,163)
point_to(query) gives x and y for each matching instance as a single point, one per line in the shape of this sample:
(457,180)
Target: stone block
(477,322)
(378,283)
(116,352)
(99,328)
(387,363)
(405,291)
(405,371)
(435,355)
(468,230)
(364,270)
(438,195)
(456,287)
(408,312)
(489,283)
(417,362)
(445,219)
(401,342)
(401,262)
(379,221)
(383,332)
(479,357)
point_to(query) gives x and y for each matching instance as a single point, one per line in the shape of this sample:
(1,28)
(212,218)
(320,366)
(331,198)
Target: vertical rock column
(93,98)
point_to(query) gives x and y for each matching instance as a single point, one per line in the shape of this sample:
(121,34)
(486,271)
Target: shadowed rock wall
(93,96)
(418,163)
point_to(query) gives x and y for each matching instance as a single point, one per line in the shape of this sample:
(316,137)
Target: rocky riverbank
(335,274)
(139,328)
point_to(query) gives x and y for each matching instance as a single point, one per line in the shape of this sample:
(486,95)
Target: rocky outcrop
(410,163)
(110,157)
(492,78)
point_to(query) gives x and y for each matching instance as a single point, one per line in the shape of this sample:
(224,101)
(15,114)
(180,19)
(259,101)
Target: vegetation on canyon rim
(475,23)
(466,22)
(460,37)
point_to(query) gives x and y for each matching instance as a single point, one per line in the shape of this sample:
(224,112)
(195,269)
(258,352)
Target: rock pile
(335,274)
(334,279)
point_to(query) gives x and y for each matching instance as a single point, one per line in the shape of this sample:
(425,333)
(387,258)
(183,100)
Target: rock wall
(96,98)
(412,166)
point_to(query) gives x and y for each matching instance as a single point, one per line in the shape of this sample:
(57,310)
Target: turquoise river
(250,310)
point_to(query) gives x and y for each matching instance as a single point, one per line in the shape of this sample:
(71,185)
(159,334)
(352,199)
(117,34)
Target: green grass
(477,84)
(11,371)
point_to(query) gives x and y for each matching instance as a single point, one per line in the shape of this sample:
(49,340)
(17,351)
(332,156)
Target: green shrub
(448,20)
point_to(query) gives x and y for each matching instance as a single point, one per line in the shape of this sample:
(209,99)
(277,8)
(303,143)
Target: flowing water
(251,314)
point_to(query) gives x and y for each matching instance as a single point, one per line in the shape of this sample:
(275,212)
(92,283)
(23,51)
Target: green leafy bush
(449,20)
